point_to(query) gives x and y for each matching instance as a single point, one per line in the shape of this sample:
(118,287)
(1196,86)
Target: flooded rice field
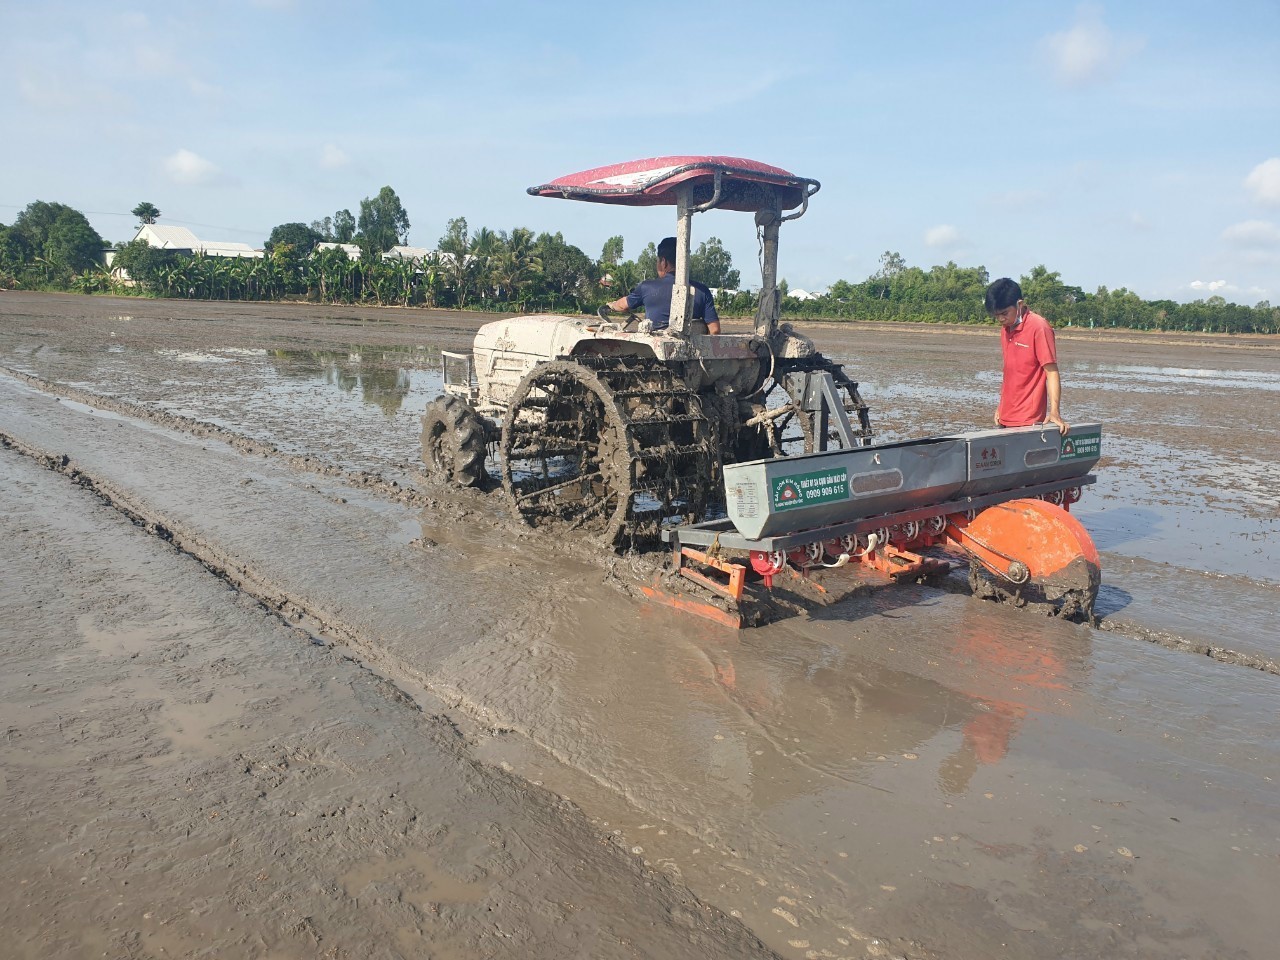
(273,694)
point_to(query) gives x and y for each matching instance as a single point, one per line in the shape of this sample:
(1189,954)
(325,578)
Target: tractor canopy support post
(767,222)
(681,301)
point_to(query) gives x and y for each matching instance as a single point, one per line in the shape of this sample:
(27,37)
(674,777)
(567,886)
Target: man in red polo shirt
(1031,389)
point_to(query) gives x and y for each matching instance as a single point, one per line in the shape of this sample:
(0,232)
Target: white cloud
(1211,286)
(943,235)
(1018,199)
(1263,181)
(333,158)
(1089,51)
(46,93)
(68,92)
(202,88)
(1252,234)
(189,168)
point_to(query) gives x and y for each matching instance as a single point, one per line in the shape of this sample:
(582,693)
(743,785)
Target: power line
(214,226)
(189,223)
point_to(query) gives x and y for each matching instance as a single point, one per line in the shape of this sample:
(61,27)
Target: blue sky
(1133,144)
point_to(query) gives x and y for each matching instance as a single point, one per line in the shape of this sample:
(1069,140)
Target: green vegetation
(953,294)
(51,246)
(302,239)
(513,271)
(339,228)
(146,213)
(383,223)
(48,246)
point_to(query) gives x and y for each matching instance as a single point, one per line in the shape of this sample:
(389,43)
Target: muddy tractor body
(615,429)
(753,441)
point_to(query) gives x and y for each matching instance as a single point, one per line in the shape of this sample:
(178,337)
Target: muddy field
(272,694)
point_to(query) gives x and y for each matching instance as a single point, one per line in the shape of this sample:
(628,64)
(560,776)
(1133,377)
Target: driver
(656,294)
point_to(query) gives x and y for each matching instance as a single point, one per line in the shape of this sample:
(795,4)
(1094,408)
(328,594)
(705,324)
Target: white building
(350,249)
(183,240)
(400,252)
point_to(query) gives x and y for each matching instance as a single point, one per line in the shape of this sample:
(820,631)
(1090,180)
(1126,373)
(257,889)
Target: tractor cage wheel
(612,446)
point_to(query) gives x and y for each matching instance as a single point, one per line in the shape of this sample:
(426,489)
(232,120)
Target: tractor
(608,427)
(748,443)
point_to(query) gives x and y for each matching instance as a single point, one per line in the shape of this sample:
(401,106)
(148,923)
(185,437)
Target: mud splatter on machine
(608,428)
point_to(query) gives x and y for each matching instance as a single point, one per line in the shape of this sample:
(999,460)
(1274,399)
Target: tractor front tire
(454,441)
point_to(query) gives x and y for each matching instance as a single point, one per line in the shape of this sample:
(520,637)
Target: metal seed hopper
(1000,496)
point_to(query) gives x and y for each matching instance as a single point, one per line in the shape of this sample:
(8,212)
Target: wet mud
(189,772)
(202,492)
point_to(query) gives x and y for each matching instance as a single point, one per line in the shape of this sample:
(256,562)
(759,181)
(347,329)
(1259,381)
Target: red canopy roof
(745,184)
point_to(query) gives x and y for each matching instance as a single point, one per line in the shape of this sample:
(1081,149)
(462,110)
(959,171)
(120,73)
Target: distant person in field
(1031,389)
(655,295)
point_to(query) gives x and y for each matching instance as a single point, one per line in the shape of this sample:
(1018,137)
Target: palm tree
(625,276)
(406,273)
(201,276)
(53,269)
(516,264)
(146,212)
(225,273)
(382,278)
(95,280)
(187,276)
(485,246)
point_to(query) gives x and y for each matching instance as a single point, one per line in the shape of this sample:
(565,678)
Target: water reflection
(382,378)
(1127,373)
(1014,671)
(832,715)
(357,406)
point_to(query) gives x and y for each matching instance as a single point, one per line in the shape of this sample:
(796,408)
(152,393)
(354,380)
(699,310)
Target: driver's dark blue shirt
(656,297)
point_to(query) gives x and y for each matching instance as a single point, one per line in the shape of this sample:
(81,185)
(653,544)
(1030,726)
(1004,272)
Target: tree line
(514,270)
(955,294)
(52,246)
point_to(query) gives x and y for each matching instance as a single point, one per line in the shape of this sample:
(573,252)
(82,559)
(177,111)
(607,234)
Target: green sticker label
(1083,446)
(807,489)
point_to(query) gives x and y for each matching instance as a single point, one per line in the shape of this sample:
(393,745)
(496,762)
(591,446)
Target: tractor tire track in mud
(239,577)
(375,483)
(218,787)
(323,628)
(1171,641)
(472,719)
(295,611)
(393,490)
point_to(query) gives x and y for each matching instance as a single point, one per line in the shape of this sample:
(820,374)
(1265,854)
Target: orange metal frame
(736,573)
(1019,540)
